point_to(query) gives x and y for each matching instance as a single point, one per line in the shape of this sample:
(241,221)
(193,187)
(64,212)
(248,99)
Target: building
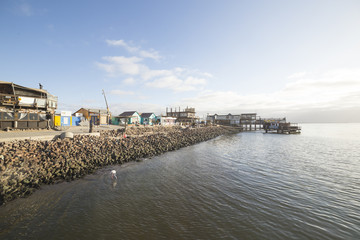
(23,107)
(186,116)
(250,121)
(148,118)
(167,121)
(227,119)
(97,116)
(130,117)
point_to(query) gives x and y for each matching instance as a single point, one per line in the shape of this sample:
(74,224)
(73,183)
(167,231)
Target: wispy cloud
(176,79)
(119,65)
(297,75)
(129,81)
(172,81)
(166,78)
(135,49)
(121,93)
(26,9)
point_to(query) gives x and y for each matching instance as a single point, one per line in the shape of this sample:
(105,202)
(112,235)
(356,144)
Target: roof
(94,110)
(127,114)
(248,114)
(24,88)
(146,115)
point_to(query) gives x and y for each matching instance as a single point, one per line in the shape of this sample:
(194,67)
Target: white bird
(113,174)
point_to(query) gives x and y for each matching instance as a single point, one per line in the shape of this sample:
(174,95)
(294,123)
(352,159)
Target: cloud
(192,81)
(122,44)
(297,75)
(209,75)
(331,91)
(150,54)
(177,79)
(121,65)
(129,81)
(305,93)
(172,80)
(134,49)
(121,93)
(26,10)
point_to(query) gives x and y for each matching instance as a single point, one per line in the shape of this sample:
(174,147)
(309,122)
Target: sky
(294,59)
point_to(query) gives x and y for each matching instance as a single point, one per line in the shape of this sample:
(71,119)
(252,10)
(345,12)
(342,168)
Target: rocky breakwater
(25,165)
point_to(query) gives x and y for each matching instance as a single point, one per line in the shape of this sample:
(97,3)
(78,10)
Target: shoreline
(27,164)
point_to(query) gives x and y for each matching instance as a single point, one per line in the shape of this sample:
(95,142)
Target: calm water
(244,186)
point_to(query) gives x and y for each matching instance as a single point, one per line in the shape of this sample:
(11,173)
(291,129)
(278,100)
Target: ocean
(249,185)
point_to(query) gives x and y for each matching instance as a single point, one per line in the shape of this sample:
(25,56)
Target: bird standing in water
(113,174)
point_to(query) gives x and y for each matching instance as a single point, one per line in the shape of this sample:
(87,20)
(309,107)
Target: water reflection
(114,183)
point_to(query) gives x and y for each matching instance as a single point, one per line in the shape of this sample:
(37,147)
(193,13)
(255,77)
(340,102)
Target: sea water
(249,185)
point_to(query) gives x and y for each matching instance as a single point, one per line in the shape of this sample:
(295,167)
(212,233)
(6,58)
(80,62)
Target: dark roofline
(127,114)
(146,115)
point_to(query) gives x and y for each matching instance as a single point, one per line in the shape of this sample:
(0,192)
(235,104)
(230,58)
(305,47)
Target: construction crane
(107,107)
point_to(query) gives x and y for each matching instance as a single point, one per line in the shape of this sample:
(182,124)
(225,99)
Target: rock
(67,135)
(25,165)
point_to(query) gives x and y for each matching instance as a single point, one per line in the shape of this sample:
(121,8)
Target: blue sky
(299,59)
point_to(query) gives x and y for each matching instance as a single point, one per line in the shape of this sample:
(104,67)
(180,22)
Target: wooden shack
(98,116)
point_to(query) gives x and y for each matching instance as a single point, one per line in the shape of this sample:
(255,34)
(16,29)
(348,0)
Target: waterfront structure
(129,117)
(97,116)
(250,121)
(167,121)
(184,117)
(227,119)
(281,127)
(274,120)
(247,121)
(148,118)
(23,107)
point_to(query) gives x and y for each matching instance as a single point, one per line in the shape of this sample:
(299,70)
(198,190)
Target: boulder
(67,135)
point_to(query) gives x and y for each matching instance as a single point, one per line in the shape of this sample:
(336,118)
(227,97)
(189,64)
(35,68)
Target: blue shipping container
(65,121)
(76,121)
